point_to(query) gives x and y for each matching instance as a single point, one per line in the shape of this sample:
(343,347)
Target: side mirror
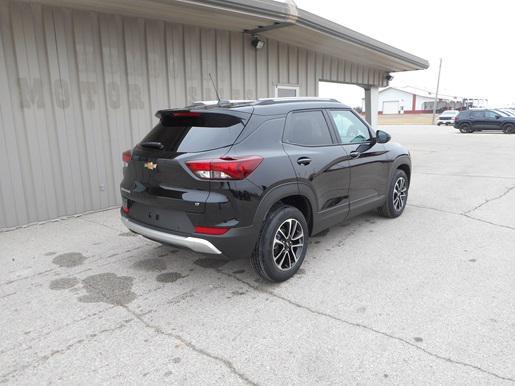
(497,117)
(382,136)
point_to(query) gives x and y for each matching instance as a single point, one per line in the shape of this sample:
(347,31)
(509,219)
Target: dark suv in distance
(469,121)
(256,179)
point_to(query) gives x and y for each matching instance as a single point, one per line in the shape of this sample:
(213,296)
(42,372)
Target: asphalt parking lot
(428,298)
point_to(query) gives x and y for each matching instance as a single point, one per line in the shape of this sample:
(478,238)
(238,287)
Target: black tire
(509,129)
(266,248)
(465,128)
(439,124)
(391,209)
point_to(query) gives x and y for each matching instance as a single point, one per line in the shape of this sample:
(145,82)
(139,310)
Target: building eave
(288,12)
(340,32)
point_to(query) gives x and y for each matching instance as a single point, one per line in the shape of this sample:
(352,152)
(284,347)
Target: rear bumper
(193,243)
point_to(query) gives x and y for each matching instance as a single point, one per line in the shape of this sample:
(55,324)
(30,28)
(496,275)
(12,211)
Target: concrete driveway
(428,298)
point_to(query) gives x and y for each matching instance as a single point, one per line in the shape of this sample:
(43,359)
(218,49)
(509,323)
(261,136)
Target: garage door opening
(391,107)
(349,94)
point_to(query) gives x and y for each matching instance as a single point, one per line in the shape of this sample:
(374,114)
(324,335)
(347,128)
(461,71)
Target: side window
(491,114)
(307,128)
(349,127)
(477,114)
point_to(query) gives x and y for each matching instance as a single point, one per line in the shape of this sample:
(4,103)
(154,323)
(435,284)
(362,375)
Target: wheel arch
(291,194)
(406,169)
(403,163)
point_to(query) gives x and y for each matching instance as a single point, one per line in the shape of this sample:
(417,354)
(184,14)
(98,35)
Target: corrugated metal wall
(77,88)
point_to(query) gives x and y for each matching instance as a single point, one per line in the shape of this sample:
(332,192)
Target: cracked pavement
(423,299)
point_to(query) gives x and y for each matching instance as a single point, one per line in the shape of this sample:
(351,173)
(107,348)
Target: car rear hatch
(158,186)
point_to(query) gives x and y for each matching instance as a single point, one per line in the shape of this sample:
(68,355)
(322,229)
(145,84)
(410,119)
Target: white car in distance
(447,117)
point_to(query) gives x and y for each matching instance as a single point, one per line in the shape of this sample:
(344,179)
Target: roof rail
(271,101)
(257,102)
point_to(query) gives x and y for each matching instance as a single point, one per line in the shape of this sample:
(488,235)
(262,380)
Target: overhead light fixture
(257,42)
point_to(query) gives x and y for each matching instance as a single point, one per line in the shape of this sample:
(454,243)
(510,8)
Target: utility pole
(437,88)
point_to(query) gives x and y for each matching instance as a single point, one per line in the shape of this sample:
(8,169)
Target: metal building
(81,79)
(413,100)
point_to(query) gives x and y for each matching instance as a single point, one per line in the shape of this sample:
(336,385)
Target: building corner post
(371,105)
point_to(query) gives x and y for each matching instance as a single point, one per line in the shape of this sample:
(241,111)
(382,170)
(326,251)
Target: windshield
(508,112)
(450,113)
(501,113)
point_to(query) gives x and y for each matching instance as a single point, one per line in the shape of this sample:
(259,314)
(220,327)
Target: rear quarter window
(190,134)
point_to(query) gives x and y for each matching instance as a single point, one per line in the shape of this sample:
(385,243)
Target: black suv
(258,178)
(482,119)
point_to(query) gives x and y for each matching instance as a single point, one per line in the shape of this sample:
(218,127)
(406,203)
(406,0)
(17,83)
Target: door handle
(304,161)
(354,154)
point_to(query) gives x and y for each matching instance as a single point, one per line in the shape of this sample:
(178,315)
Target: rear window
(189,134)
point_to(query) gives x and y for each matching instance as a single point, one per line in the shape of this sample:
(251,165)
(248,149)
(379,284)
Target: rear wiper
(153,145)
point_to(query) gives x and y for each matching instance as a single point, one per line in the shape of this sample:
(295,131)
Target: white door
(391,107)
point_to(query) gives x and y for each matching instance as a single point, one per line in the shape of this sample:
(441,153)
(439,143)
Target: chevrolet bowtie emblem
(150,165)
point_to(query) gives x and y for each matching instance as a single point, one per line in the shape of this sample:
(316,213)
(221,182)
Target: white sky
(349,94)
(476,42)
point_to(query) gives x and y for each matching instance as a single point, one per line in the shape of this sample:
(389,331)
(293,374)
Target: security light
(257,42)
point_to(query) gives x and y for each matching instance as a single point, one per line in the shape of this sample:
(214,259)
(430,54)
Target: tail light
(125,205)
(225,168)
(186,114)
(126,157)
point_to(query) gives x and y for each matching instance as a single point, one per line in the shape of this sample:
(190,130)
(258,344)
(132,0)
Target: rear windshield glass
(187,134)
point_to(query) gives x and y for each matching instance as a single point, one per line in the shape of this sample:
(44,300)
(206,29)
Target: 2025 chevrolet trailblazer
(258,178)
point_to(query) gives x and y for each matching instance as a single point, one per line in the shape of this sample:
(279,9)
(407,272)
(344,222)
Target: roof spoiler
(188,113)
(177,113)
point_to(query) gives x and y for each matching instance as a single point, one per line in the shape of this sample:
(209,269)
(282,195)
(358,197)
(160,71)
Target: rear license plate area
(167,219)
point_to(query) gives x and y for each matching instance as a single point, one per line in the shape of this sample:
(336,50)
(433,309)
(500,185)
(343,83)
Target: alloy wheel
(400,193)
(288,244)
(465,128)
